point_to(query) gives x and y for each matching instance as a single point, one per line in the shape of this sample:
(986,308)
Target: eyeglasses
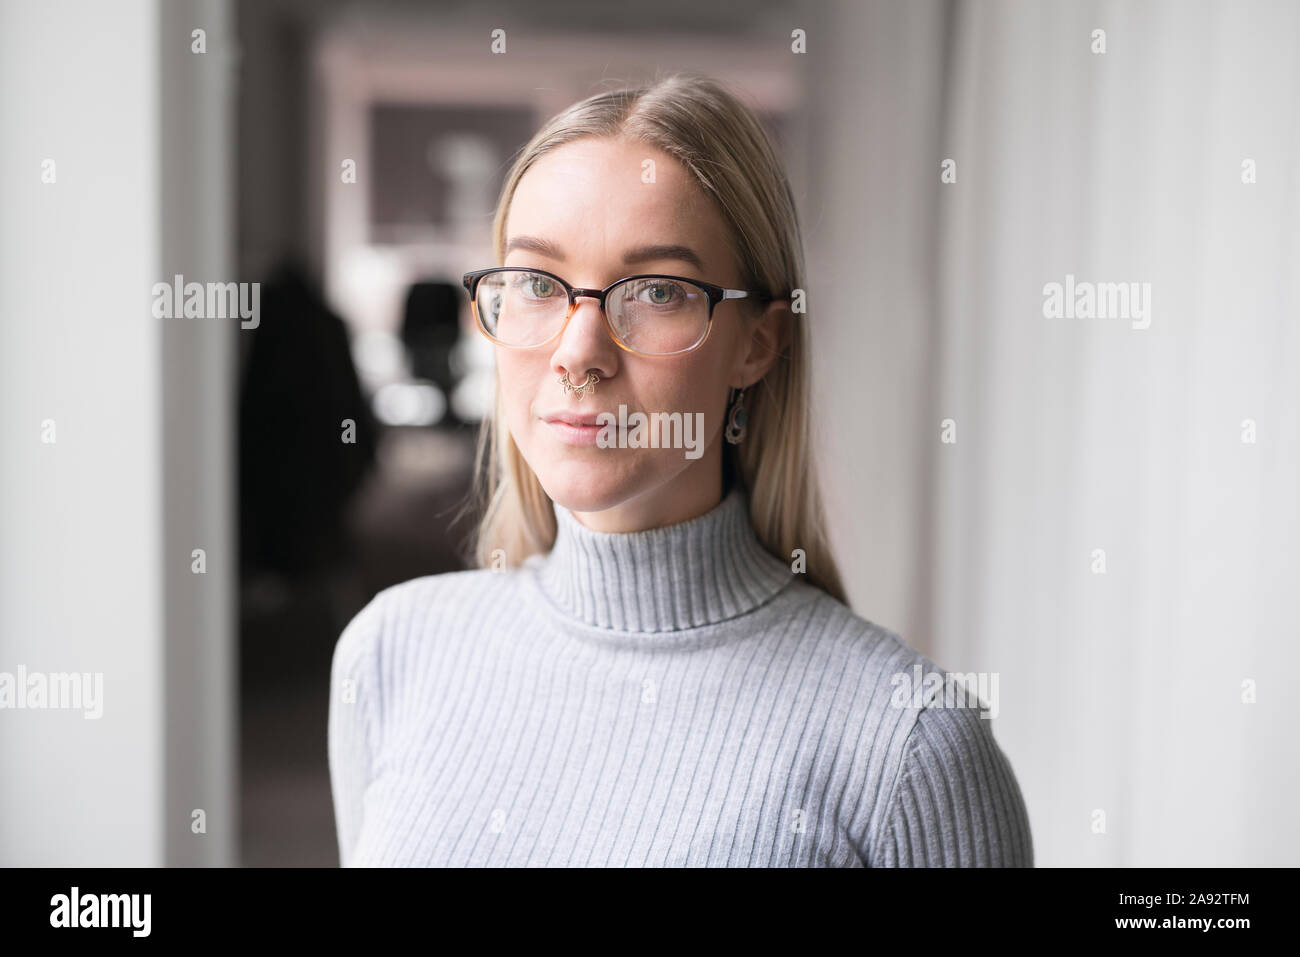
(650,315)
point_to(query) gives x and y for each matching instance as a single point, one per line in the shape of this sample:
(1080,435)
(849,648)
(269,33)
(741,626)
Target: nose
(585,345)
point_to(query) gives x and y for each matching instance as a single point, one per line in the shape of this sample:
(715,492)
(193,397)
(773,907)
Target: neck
(702,571)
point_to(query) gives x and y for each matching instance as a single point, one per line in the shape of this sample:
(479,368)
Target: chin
(586,486)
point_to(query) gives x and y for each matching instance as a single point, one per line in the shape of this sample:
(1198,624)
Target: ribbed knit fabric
(670,697)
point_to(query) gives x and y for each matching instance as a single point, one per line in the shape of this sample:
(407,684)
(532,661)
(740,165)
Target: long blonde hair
(718,139)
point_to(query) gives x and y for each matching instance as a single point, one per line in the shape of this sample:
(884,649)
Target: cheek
(518,379)
(697,383)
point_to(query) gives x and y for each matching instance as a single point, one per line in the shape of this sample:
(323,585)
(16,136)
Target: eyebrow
(638,255)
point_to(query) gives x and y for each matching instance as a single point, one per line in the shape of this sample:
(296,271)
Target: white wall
(1122,692)
(87,548)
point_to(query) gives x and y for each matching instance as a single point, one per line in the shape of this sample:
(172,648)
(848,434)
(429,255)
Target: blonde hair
(719,140)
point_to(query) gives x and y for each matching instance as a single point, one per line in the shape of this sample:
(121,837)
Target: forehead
(598,196)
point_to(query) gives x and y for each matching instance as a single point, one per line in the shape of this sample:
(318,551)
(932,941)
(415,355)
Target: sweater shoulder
(417,609)
(897,729)
(891,675)
(955,800)
(416,596)
(945,792)
(826,626)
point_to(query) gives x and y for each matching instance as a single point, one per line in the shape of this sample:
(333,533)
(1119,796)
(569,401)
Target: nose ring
(579,390)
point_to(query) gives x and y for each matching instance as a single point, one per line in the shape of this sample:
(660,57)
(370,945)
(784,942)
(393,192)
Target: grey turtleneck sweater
(676,696)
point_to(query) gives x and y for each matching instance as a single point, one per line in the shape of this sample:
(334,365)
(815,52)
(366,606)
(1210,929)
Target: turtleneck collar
(694,573)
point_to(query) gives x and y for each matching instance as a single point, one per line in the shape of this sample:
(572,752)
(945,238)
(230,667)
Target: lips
(577,421)
(574,428)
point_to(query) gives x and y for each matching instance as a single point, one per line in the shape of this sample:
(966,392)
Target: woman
(654,664)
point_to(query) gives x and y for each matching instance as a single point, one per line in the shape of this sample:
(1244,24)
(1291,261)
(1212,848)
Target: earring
(737,419)
(589,385)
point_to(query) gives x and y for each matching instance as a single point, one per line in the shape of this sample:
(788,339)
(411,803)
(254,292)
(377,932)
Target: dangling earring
(737,419)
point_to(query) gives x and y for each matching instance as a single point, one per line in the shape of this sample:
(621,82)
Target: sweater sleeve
(353,723)
(955,802)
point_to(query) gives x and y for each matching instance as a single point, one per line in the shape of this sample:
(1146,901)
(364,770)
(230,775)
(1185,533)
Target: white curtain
(1083,442)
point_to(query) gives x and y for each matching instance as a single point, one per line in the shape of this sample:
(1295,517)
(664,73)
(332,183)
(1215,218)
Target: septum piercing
(579,390)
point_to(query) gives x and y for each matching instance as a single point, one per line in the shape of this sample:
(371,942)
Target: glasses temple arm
(749,294)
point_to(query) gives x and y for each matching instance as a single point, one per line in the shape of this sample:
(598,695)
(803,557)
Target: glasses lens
(520,307)
(658,317)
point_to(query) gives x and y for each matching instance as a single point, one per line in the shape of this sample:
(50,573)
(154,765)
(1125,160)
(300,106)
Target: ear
(764,340)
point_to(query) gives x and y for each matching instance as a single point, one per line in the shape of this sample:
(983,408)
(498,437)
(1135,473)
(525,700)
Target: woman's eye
(541,287)
(534,286)
(661,293)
